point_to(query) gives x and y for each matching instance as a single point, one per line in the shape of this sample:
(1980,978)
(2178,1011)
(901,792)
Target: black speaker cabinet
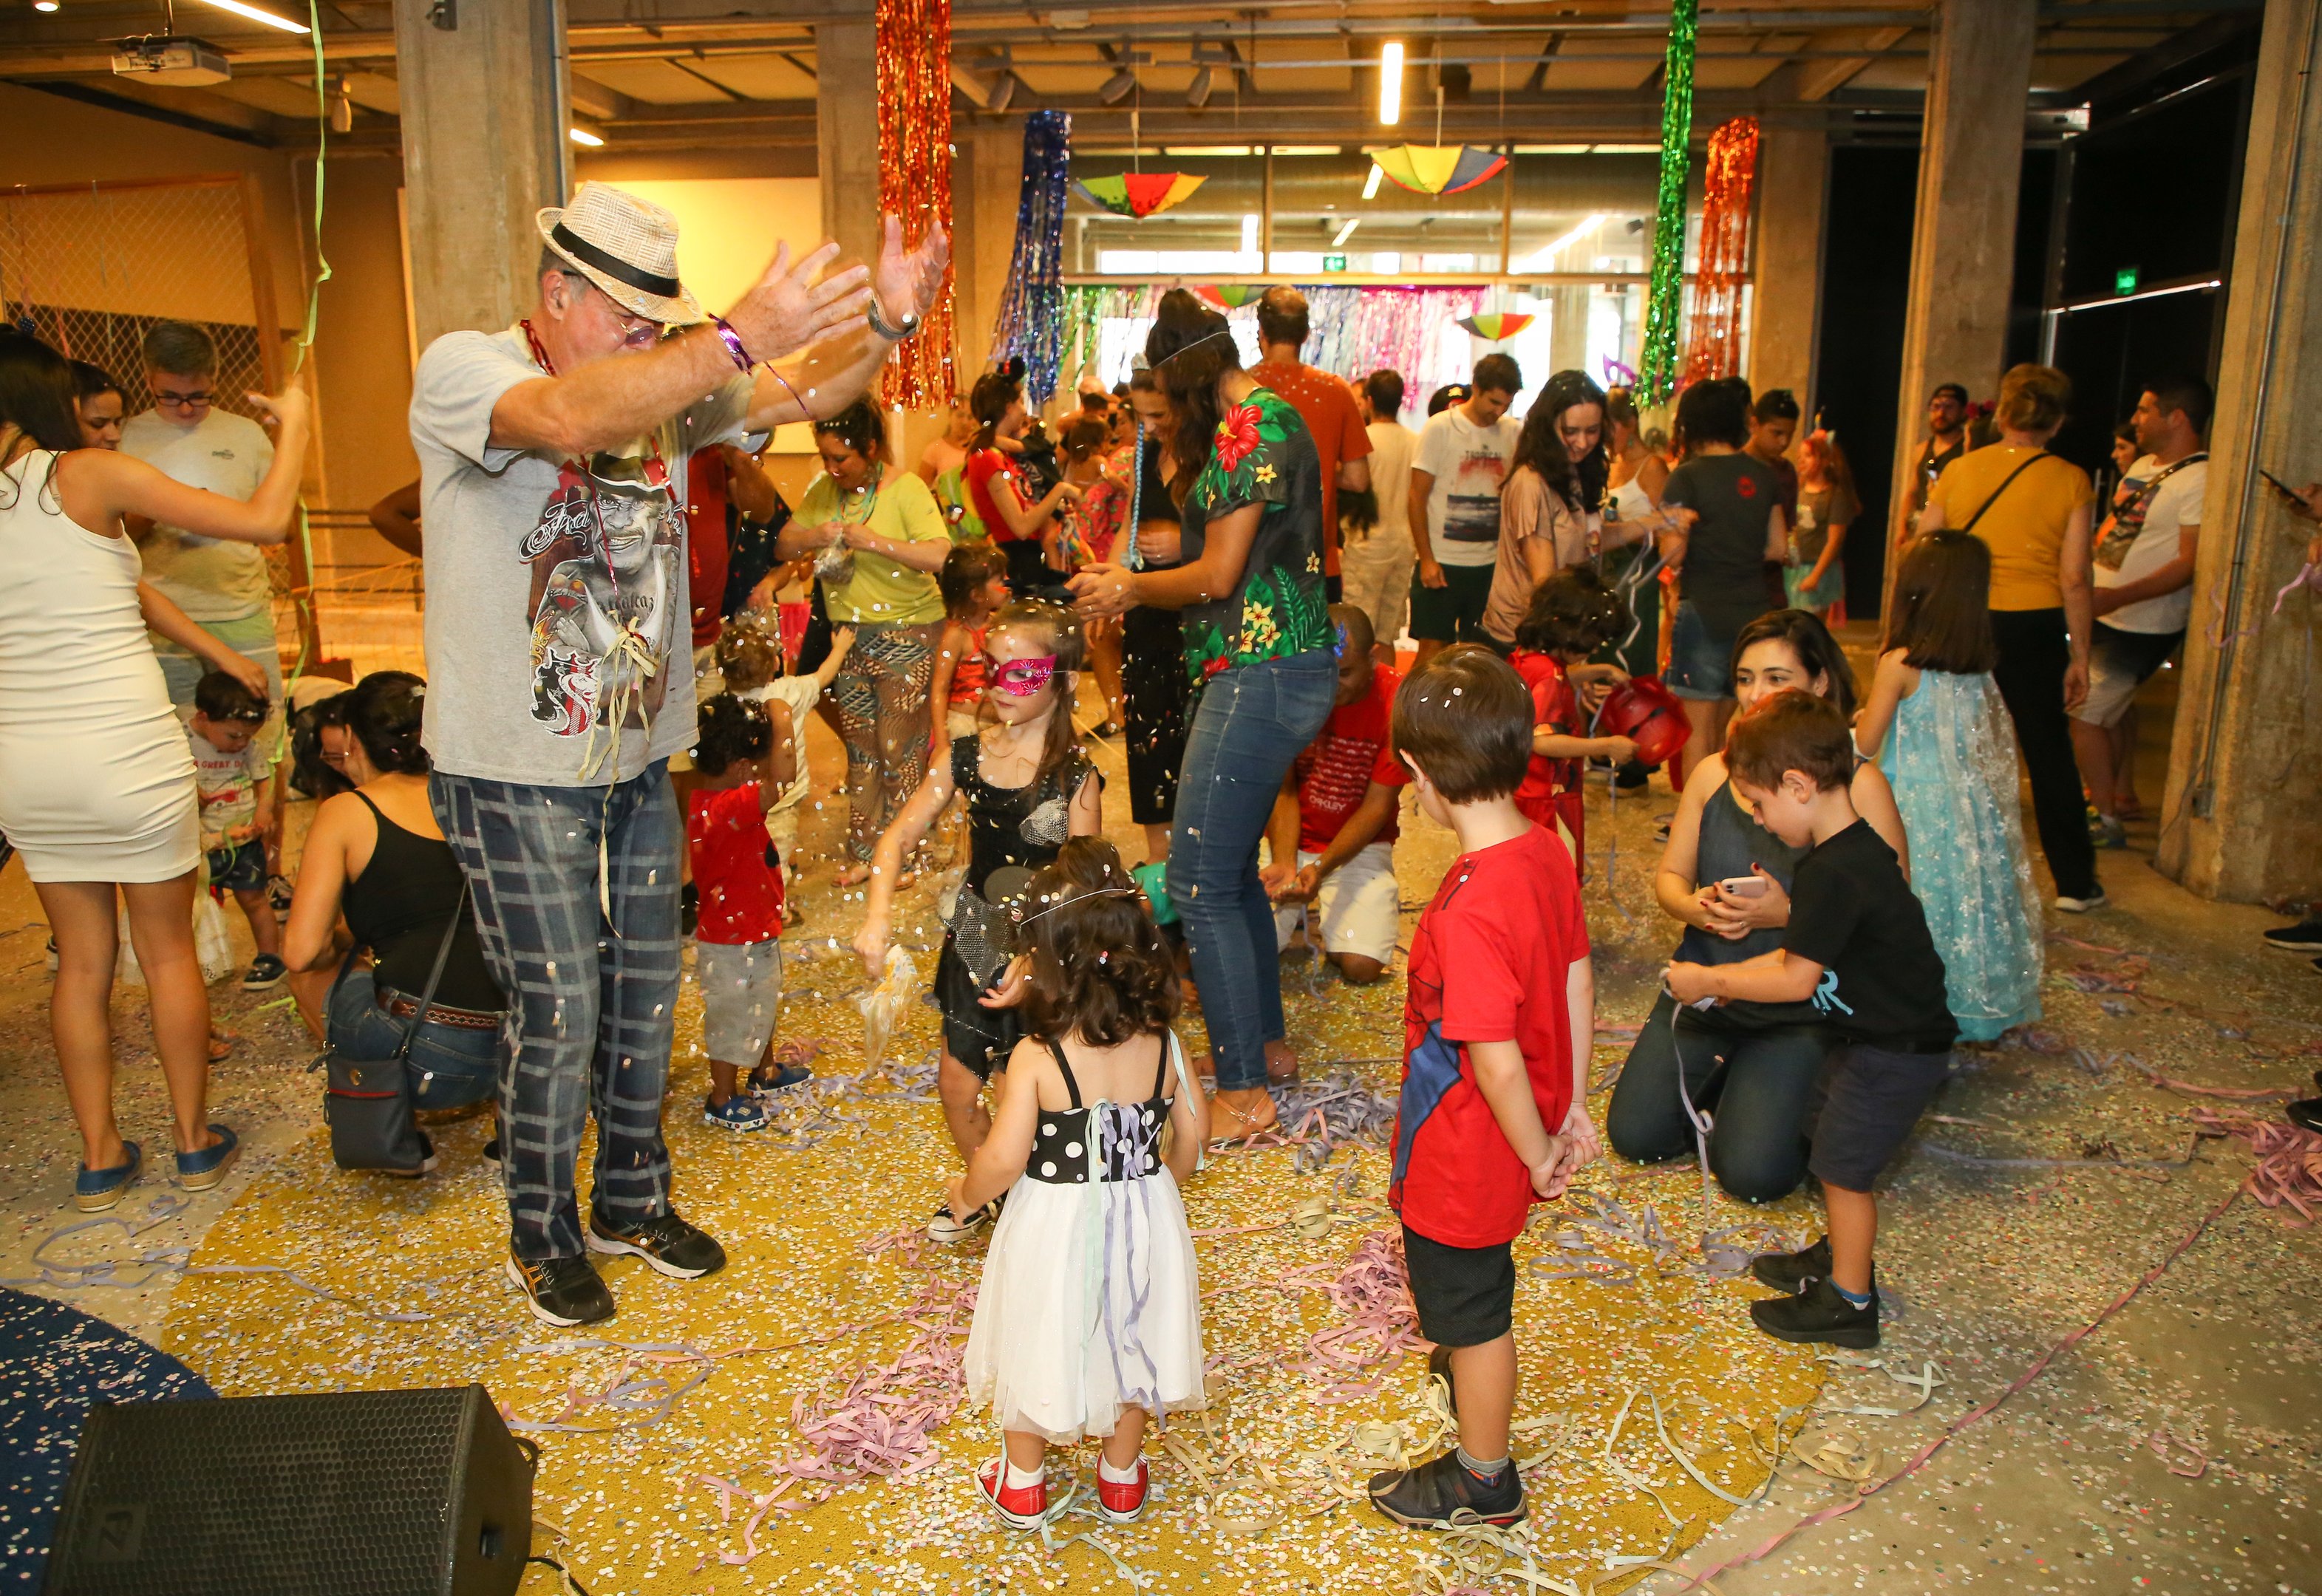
(359,1493)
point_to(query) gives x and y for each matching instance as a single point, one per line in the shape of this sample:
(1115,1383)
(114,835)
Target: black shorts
(1869,1100)
(1466,1296)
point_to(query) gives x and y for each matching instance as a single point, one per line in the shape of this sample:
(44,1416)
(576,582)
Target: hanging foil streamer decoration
(1032,305)
(1714,347)
(914,58)
(1665,300)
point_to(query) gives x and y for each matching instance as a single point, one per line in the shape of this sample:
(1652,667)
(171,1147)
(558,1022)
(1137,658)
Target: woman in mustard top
(2032,509)
(882,539)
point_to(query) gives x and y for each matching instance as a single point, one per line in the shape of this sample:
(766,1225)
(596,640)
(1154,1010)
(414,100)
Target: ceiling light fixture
(584,138)
(253,13)
(44,4)
(1371,183)
(1198,95)
(1347,232)
(1391,83)
(1117,87)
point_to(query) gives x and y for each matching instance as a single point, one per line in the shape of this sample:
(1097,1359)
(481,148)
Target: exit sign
(1334,263)
(2124,281)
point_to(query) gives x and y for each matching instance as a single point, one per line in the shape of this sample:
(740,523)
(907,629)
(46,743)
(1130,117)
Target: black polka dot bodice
(1127,1136)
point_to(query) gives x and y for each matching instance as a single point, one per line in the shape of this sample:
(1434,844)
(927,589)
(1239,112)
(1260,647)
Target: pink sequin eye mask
(1021,678)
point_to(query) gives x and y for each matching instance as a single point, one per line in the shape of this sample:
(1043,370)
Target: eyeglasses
(178,401)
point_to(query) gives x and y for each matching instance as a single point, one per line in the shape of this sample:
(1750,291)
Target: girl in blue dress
(1936,726)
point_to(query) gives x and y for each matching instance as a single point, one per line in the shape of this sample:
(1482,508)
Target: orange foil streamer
(914,55)
(1730,174)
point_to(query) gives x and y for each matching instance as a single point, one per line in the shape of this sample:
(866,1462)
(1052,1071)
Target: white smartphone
(1744,885)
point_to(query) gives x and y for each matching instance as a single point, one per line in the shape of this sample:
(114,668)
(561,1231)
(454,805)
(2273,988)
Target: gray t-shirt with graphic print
(558,631)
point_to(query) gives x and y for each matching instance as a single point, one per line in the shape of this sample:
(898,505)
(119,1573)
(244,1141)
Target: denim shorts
(1871,1099)
(238,867)
(1701,667)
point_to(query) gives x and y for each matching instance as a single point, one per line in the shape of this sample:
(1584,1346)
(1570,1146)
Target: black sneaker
(266,974)
(1439,1366)
(2306,1113)
(1819,1313)
(942,1227)
(1440,1494)
(1791,1272)
(2304,937)
(668,1245)
(1631,776)
(562,1292)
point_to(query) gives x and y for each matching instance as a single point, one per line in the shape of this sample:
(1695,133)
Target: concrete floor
(2173,1450)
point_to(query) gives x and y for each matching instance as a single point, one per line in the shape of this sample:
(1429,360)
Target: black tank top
(398,907)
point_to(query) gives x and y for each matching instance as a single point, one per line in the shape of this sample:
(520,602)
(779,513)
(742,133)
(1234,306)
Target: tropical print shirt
(1262,455)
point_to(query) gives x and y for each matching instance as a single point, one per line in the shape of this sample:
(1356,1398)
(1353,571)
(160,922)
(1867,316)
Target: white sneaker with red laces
(1019,1509)
(1122,1501)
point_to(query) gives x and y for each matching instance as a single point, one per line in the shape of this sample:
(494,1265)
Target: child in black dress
(1027,787)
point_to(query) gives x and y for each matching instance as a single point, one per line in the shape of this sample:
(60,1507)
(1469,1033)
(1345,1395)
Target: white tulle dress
(1090,1302)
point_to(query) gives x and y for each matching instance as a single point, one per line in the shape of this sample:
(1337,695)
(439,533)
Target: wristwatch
(893,332)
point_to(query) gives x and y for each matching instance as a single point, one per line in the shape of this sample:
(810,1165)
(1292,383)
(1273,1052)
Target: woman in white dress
(96,779)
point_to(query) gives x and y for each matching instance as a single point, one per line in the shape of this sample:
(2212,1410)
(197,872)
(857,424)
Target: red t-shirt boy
(1499,1026)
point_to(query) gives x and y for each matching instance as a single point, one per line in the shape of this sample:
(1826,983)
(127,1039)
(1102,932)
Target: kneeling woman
(1753,1064)
(377,854)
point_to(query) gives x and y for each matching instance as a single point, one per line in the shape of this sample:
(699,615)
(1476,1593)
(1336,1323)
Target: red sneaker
(1018,1509)
(1125,1502)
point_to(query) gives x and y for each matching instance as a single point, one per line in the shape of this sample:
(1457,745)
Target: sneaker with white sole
(942,1227)
(2081,906)
(1122,1501)
(2304,937)
(1019,1509)
(739,1112)
(668,1245)
(266,974)
(562,1292)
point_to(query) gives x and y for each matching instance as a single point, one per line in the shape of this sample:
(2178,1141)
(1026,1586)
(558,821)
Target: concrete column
(2240,819)
(484,117)
(1786,288)
(1567,330)
(992,152)
(847,130)
(1963,241)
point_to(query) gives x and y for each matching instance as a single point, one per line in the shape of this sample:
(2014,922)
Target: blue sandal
(200,1171)
(96,1191)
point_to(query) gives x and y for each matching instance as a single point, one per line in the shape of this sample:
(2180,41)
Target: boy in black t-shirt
(1857,946)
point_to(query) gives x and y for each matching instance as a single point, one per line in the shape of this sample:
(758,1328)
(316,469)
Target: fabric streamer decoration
(1031,306)
(1139,195)
(1664,300)
(914,61)
(1497,326)
(1715,349)
(1440,168)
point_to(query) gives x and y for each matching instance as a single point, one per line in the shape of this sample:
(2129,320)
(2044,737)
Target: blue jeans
(1701,666)
(595,1003)
(1759,1081)
(1251,723)
(452,1066)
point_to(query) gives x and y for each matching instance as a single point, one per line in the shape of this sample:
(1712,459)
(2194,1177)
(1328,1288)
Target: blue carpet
(56,1363)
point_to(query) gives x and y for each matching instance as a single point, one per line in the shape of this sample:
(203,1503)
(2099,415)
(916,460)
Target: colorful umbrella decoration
(1139,195)
(1440,168)
(1496,327)
(1229,296)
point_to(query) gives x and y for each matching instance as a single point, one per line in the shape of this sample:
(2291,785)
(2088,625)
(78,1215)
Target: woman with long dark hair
(1258,655)
(993,477)
(1548,505)
(1155,693)
(96,781)
(896,539)
(376,852)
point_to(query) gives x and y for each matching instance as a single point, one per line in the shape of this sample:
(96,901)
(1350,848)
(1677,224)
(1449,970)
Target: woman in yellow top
(2032,509)
(881,540)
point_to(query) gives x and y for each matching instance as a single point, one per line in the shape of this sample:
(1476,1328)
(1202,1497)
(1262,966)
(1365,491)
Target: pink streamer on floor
(1374,1290)
(2289,1172)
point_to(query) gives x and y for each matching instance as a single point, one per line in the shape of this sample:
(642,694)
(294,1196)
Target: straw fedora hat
(626,246)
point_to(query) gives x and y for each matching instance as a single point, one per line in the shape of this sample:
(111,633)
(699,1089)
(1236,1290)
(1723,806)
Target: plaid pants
(591,1008)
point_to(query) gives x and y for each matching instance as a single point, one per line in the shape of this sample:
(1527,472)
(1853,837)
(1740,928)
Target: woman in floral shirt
(1259,652)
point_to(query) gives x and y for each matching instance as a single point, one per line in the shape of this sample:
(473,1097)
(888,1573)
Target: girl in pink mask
(1027,787)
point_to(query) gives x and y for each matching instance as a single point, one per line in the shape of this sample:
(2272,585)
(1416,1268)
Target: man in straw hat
(552,484)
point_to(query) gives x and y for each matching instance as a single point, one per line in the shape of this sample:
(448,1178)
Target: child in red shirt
(1499,1026)
(1572,615)
(747,754)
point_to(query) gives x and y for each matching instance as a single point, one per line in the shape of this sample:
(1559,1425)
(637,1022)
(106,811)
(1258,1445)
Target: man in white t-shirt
(1376,565)
(186,437)
(2143,571)
(552,481)
(1455,475)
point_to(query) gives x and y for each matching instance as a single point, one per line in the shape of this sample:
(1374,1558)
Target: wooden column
(2241,818)
(484,147)
(1785,246)
(1963,241)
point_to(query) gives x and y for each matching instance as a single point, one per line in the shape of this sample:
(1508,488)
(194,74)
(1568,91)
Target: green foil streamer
(1657,368)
